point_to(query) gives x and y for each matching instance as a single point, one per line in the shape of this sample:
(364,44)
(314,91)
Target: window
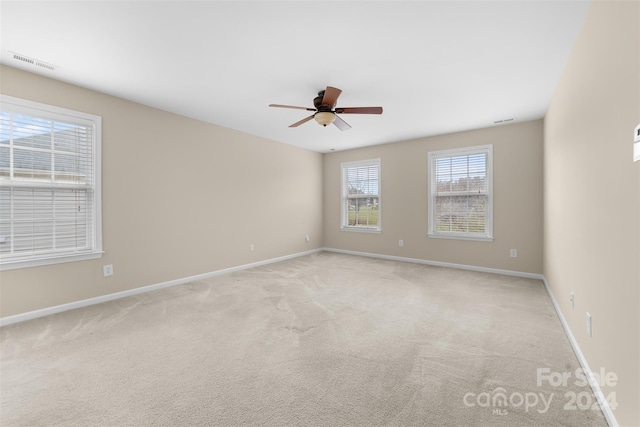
(49,184)
(361,196)
(460,193)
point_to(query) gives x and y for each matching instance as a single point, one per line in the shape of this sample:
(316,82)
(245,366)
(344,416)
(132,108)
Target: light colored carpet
(322,340)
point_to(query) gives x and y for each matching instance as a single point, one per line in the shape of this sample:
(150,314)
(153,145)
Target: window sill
(362,230)
(460,237)
(13,265)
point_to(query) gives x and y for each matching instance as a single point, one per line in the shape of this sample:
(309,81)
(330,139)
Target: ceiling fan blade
(359,110)
(331,95)
(292,106)
(305,120)
(341,124)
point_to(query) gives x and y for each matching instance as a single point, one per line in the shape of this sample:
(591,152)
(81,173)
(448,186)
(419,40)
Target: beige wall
(592,197)
(180,198)
(517,158)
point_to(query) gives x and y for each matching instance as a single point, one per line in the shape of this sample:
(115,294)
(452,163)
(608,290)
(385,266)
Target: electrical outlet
(401,243)
(513,253)
(107,270)
(572,298)
(589,324)
(251,247)
(306,238)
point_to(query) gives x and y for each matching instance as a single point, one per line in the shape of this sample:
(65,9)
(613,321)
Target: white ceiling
(434,66)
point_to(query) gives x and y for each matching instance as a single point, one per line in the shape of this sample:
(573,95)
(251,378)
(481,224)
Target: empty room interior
(320,213)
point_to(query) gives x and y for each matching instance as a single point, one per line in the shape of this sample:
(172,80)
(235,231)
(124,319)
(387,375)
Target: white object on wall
(636,144)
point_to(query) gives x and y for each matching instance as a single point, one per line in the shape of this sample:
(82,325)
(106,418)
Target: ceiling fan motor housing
(317,102)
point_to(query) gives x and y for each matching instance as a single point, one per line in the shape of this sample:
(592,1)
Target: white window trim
(344,213)
(488,235)
(24,106)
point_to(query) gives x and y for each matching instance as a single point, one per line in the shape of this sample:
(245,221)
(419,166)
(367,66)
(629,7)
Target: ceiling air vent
(32,61)
(23,58)
(504,120)
(45,65)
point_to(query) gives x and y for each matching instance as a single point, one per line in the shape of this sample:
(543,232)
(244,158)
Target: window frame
(487,236)
(344,193)
(55,113)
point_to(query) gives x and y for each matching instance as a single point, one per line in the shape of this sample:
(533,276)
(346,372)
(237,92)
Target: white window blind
(460,193)
(361,195)
(49,184)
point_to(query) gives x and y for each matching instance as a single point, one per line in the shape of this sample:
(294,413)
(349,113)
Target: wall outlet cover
(107,270)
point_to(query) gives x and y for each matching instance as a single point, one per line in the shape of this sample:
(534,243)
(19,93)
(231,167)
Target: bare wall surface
(180,198)
(517,182)
(592,197)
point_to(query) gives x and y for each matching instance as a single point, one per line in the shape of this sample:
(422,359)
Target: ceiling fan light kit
(325,111)
(324,117)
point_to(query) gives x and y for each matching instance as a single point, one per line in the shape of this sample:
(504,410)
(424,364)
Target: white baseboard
(8,320)
(606,409)
(110,297)
(593,382)
(440,264)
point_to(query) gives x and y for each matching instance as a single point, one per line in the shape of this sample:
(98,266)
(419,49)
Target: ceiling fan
(326,111)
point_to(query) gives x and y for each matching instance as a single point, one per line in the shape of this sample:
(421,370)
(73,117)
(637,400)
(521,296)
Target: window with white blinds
(460,193)
(49,184)
(361,195)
